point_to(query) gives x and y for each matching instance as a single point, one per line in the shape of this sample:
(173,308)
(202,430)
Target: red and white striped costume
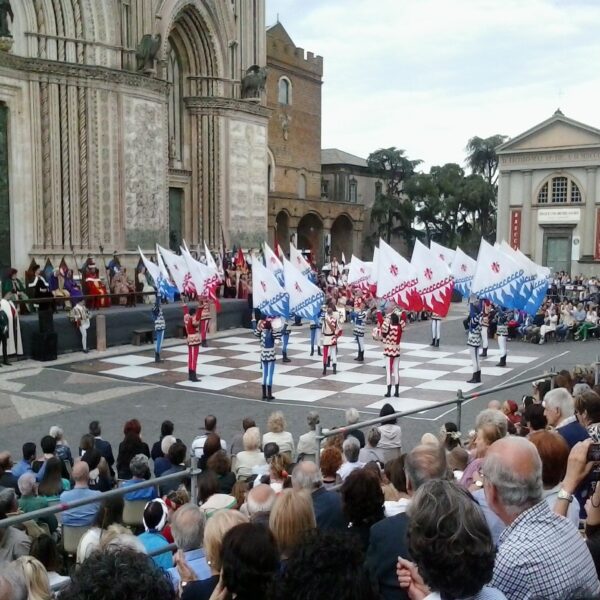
(391,336)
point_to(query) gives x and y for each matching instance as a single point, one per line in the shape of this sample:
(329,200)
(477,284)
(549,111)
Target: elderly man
(540,554)
(327,505)
(353,417)
(13,542)
(188,532)
(259,503)
(307,443)
(351,449)
(80,516)
(387,540)
(560,413)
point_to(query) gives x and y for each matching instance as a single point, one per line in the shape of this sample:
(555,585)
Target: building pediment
(557,133)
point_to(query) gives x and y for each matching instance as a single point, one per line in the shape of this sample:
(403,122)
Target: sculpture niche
(254,81)
(5,12)
(146,53)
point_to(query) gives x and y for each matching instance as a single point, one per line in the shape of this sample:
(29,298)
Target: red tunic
(191,324)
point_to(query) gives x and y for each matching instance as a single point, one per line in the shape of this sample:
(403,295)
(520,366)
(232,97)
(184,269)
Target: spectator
(100,477)
(35,576)
(140,472)
(63,452)
(24,465)
(7,478)
(162,462)
(326,505)
(269,450)
(12,583)
(314,571)
(209,497)
(276,425)
(307,443)
(554,454)
(166,429)
(239,492)
(362,503)
(188,531)
(237,444)
(450,543)
(102,446)
(371,451)
(44,549)
(458,459)
(391,434)
(48,446)
(560,414)
(259,503)
(331,461)
(387,540)
(118,537)
(394,488)
(174,501)
(214,532)
(351,449)
(278,477)
(110,513)
(587,411)
(210,426)
(539,553)
(450,436)
(131,445)
(30,501)
(155,519)
(220,464)
(511,411)
(211,445)
(177,453)
(535,419)
(251,456)
(120,573)
(81,516)
(352,417)
(13,541)
(52,484)
(540,389)
(564,380)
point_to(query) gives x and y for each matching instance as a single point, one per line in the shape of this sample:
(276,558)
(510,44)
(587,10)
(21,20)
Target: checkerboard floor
(231,365)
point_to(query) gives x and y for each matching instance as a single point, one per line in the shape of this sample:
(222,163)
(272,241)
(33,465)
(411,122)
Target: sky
(427,75)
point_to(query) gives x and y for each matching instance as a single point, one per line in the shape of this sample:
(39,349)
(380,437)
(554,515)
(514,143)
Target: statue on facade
(146,53)
(5,12)
(254,81)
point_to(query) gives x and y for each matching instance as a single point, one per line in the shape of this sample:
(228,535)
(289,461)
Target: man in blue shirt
(81,516)
(140,472)
(24,465)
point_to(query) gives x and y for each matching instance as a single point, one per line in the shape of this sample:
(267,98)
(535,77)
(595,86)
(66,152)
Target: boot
(361,356)
(358,356)
(204,344)
(432,342)
(312,351)
(192,376)
(324,370)
(269,393)
(334,368)
(319,350)
(389,392)
(264,391)
(484,353)
(329,361)
(285,358)
(397,391)
(476,377)
(157,357)
(437,343)
(502,362)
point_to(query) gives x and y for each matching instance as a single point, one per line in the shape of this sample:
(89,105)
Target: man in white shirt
(210,426)
(351,448)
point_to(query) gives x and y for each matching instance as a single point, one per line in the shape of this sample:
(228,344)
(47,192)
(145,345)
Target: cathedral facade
(130,122)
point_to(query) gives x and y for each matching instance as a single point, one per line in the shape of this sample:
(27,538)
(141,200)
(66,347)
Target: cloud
(427,75)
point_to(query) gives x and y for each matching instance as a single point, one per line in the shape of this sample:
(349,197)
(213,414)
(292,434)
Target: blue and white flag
(539,289)
(177,267)
(166,288)
(529,274)
(306,299)
(300,262)
(267,294)
(498,277)
(463,270)
(273,264)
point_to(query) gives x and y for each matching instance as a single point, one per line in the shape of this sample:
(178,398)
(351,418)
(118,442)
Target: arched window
(285,91)
(175,103)
(559,190)
(302,187)
(353,190)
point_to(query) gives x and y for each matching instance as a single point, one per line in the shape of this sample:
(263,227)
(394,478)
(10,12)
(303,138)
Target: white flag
(306,299)
(444,253)
(299,261)
(359,273)
(273,263)
(176,265)
(463,271)
(396,278)
(267,294)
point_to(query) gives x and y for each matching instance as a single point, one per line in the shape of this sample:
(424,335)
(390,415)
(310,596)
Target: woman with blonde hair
(36,578)
(284,439)
(291,517)
(279,477)
(251,456)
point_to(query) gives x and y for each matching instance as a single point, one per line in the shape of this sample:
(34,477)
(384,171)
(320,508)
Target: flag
(176,265)
(300,262)
(273,263)
(210,261)
(396,278)
(463,270)
(306,299)
(343,259)
(498,276)
(359,273)
(444,253)
(279,251)
(240,260)
(435,280)
(539,289)
(163,282)
(201,278)
(529,274)
(268,295)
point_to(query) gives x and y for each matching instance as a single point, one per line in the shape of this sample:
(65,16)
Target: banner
(306,299)
(446,254)
(176,265)
(267,294)
(396,278)
(300,262)
(359,273)
(273,263)
(463,270)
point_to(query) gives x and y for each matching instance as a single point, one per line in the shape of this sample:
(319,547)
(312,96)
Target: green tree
(392,212)
(482,158)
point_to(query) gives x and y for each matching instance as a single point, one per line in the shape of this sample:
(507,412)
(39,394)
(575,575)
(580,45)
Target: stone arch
(282,230)
(342,234)
(271,170)
(310,236)
(25,20)
(547,181)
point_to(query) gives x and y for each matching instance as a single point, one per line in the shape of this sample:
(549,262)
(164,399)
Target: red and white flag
(446,254)
(435,280)
(359,273)
(177,267)
(396,278)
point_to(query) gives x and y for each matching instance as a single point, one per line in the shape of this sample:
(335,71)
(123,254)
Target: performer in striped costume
(159,328)
(315,328)
(330,332)
(502,318)
(436,327)
(285,338)
(360,316)
(267,335)
(391,334)
(474,337)
(191,323)
(486,313)
(204,310)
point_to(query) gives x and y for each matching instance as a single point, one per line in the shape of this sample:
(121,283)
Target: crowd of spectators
(509,510)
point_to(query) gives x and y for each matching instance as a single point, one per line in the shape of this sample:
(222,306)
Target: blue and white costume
(474,338)
(159,328)
(502,318)
(360,317)
(268,356)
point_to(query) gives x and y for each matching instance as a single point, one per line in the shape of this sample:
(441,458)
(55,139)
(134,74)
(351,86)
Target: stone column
(589,215)
(526,199)
(502,225)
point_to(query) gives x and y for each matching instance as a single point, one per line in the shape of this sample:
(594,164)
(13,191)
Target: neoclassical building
(549,194)
(124,123)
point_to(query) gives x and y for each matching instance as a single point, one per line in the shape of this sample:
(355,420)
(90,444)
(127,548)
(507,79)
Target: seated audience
(101,445)
(251,456)
(220,464)
(62,451)
(162,462)
(131,445)
(44,549)
(53,484)
(35,577)
(587,411)
(277,433)
(210,427)
(237,444)
(259,503)
(30,501)
(291,517)
(307,442)
(155,519)
(560,413)
(80,516)
(209,497)
(24,465)
(140,473)
(371,451)
(331,461)
(100,478)
(166,429)
(351,448)
(7,478)
(391,434)
(177,454)
(13,541)
(353,417)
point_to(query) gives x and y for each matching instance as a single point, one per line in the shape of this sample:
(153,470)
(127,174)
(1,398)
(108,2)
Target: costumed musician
(474,336)
(204,310)
(80,317)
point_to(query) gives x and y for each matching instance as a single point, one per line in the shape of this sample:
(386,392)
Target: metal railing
(458,401)
(191,472)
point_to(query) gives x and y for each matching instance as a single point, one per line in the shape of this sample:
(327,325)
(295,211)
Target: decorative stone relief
(144,163)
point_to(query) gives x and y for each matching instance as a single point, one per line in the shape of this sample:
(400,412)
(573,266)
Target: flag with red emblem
(435,283)
(396,279)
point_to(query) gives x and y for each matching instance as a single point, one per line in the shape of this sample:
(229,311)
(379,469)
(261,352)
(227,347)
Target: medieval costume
(80,317)
(502,318)
(72,286)
(335,269)
(204,310)
(243,288)
(331,332)
(14,290)
(159,328)
(285,338)
(474,338)
(391,333)
(122,286)
(486,315)
(57,286)
(4,332)
(191,324)
(315,330)
(267,335)
(360,317)
(93,286)
(14,344)
(229,290)
(436,327)
(39,288)
(114,266)
(143,284)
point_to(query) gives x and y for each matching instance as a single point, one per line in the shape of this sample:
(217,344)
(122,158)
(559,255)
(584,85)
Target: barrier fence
(458,401)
